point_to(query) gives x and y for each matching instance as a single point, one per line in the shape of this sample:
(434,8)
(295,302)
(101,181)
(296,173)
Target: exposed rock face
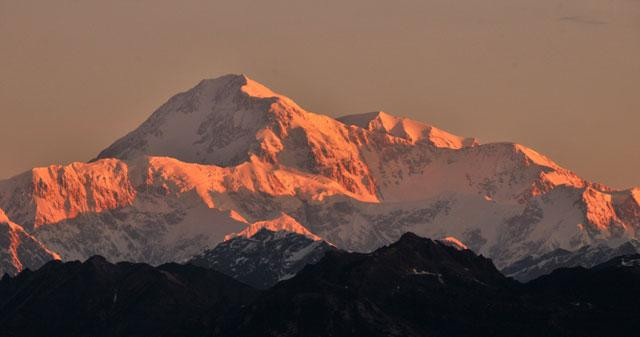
(230,153)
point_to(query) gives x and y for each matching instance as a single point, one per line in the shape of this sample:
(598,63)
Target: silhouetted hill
(98,298)
(413,287)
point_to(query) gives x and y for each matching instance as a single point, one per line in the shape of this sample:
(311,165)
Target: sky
(560,76)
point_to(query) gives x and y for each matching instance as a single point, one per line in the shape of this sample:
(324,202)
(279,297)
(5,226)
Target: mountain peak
(236,82)
(97,260)
(265,258)
(411,130)
(215,122)
(362,120)
(283,222)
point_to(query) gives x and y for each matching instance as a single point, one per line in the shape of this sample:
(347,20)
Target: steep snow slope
(230,153)
(19,250)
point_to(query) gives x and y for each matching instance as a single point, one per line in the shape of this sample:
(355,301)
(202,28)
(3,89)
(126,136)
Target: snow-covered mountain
(230,153)
(263,258)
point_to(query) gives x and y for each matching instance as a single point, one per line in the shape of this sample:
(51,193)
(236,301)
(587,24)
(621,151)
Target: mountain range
(530,267)
(230,157)
(413,287)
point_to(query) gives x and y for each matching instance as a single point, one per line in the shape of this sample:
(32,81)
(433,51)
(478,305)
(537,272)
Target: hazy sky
(561,76)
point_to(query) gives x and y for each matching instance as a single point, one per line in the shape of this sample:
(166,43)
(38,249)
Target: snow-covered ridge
(408,129)
(231,156)
(282,223)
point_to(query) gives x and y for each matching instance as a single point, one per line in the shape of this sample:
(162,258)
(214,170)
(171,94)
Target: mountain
(413,287)
(98,298)
(419,287)
(230,153)
(530,268)
(263,258)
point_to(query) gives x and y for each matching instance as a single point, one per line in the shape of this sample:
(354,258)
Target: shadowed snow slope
(265,257)
(230,153)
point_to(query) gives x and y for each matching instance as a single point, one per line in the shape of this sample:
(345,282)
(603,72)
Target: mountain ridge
(99,298)
(229,153)
(407,129)
(412,287)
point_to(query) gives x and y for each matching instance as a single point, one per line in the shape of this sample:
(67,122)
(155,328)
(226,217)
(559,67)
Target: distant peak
(232,82)
(228,78)
(225,81)
(362,120)
(214,122)
(411,130)
(411,237)
(97,260)
(283,222)
(534,156)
